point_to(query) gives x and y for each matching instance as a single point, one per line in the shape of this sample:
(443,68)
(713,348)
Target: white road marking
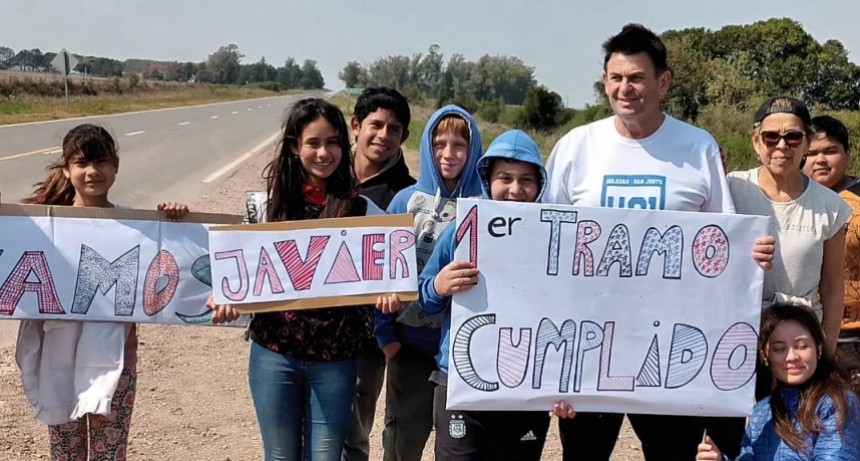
(185,123)
(235,112)
(213,117)
(45,151)
(122,114)
(249,109)
(230,166)
(134,133)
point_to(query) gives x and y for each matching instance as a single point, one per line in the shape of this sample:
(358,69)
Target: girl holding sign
(81,376)
(302,366)
(812,413)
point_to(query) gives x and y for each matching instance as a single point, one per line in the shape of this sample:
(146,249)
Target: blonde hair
(453,124)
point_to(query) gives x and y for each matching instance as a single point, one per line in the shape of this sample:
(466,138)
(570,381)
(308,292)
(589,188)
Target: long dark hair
(285,174)
(89,142)
(828,380)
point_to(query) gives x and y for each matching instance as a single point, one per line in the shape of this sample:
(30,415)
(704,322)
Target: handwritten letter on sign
(612,310)
(314,263)
(68,263)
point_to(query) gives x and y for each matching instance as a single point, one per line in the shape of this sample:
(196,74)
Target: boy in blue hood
(449,151)
(511,170)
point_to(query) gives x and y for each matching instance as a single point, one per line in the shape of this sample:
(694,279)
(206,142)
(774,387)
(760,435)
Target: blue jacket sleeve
(383,328)
(443,253)
(399,202)
(831,445)
(383,324)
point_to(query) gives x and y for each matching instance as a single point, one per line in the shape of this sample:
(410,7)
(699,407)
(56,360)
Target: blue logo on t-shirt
(646,192)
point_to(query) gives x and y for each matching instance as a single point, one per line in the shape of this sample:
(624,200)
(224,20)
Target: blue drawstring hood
(429,179)
(510,145)
(434,207)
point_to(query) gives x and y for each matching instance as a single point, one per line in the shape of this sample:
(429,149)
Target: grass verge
(23,109)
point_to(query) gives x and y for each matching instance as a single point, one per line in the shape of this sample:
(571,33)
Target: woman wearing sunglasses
(807,219)
(827,163)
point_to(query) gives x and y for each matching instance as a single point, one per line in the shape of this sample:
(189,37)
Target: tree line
(487,86)
(739,66)
(505,78)
(224,66)
(735,67)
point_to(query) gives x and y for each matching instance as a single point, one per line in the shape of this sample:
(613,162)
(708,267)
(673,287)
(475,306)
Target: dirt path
(193,402)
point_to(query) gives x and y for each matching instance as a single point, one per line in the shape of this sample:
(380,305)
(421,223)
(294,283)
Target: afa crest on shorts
(457,427)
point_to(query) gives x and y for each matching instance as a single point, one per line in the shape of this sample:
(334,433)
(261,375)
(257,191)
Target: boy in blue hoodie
(511,170)
(449,151)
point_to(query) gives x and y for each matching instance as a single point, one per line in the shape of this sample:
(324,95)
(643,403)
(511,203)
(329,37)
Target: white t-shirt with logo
(800,226)
(676,168)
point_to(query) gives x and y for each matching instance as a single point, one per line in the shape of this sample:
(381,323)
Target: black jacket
(381,188)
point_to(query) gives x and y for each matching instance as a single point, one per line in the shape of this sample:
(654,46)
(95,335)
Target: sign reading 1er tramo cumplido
(625,311)
(313,263)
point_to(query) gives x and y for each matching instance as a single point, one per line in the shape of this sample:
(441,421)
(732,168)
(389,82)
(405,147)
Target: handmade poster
(626,311)
(97,264)
(313,263)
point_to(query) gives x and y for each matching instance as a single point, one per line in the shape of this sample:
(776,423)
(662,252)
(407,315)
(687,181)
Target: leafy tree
(490,78)
(30,60)
(740,65)
(225,64)
(446,90)
(836,85)
(105,67)
(290,75)
(429,70)
(6,57)
(189,70)
(204,75)
(351,75)
(311,76)
(491,111)
(467,101)
(542,109)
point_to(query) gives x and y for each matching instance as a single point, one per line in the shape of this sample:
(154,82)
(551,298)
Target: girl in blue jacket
(812,413)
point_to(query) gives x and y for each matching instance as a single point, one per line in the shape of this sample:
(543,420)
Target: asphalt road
(170,154)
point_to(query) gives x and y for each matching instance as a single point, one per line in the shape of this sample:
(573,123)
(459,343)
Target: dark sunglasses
(792,138)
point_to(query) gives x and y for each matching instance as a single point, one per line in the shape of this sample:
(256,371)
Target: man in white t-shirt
(642,158)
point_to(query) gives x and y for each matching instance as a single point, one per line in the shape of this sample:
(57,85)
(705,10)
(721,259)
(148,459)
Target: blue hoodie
(433,207)
(514,145)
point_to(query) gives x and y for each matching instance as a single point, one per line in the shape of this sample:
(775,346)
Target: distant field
(30,97)
(16,75)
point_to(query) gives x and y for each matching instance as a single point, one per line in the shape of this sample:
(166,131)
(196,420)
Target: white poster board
(613,310)
(334,262)
(68,263)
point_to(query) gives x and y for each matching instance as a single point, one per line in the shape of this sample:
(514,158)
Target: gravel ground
(193,401)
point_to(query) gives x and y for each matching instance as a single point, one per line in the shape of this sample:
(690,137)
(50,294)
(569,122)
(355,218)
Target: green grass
(21,109)
(15,108)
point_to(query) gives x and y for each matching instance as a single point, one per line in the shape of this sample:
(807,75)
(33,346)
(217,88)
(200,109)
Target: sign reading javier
(313,263)
(613,310)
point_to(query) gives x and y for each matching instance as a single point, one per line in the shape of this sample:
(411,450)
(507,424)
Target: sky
(561,39)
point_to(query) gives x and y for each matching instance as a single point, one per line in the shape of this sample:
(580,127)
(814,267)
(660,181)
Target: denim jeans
(303,408)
